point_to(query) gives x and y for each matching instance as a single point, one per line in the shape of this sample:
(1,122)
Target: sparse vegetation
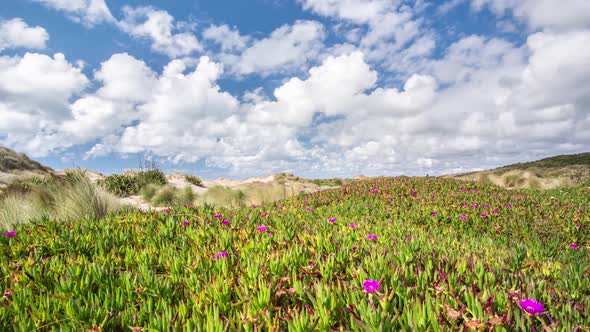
(194,180)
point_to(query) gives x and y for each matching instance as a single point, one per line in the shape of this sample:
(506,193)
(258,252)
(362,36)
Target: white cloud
(543,13)
(288,48)
(229,39)
(87,12)
(15,33)
(158,27)
(35,91)
(358,11)
(123,77)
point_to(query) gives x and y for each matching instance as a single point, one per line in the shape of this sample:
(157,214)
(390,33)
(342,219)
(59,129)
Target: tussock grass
(72,196)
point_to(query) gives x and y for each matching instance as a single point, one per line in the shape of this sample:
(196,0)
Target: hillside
(12,161)
(553,172)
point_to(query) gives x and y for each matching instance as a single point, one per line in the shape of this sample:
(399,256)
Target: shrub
(149,191)
(165,197)
(194,180)
(131,183)
(513,180)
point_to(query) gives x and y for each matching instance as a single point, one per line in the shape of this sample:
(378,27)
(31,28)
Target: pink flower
(373,191)
(355,248)
(217,216)
(261,228)
(485,206)
(578,225)
(264,214)
(352,226)
(433,197)
(531,307)
(495,210)
(573,246)
(186,223)
(474,206)
(308,208)
(483,215)
(281,207)
(332,220)
(10,233)
(508,205)
(226,222)
(410,238)
(221,254)
(371,286)
(463,218)
(7,293)
(464,204)
(433,214)
(372,237)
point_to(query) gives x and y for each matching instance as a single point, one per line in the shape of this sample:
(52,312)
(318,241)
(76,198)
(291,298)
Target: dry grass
(73,197)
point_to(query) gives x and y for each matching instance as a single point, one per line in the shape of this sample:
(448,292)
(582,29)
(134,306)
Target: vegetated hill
(552,172)
(12,161)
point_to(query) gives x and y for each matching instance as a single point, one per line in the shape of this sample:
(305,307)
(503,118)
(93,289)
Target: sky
(318,88)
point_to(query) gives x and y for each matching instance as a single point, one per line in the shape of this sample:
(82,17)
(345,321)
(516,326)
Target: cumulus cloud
(159,28)
(229,39)
(16,33)
(386,31)
(543,13)
(288,48)
(87,12)
(35,91)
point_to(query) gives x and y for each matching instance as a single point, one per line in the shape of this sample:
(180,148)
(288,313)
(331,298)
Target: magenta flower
(186,223)
(281,207)
(305,202)
(217,216)
(577,225)
(464,204)
(413,192)
(221,255)
(410,238)
(226,222)
(508,205)
(573,246)
(433,214)
(485,206)
(7,293)
(464,218)
(371,286)
(433,197)
(531,307)
(373,191)
(332,220)
(483,215)
(352,226)
(474,206)
(372,237)
(10,233)
(261,228)
(355,248)
(308,208)
(264,214)
(495,210)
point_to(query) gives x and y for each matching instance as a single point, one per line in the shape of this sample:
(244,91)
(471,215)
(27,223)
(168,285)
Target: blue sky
(320,88)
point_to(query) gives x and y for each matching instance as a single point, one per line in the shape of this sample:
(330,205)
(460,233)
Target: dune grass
(72,196)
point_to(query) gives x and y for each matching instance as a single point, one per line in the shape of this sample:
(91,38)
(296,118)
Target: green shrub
(165,197)
(194,180)
(131,183)
(148,192)
(150,176)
